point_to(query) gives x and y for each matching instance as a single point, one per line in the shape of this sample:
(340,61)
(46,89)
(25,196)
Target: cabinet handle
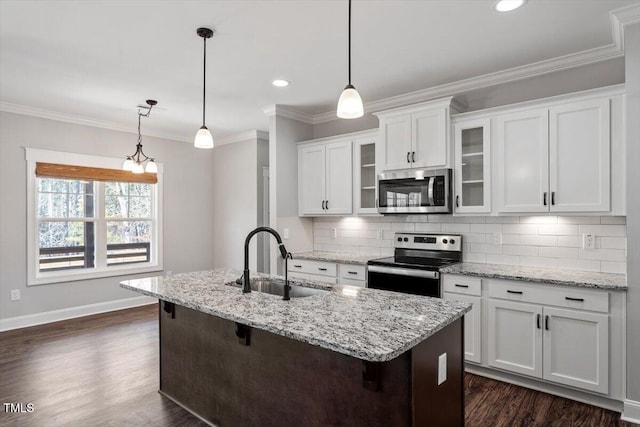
(297,266)
(326,205)
(457,201)
(322,269)
(509,291)
(323,205)
(553,197)
(574,299)
(538,321)
(544,198)
(377,203)
(352,272)
(546,322)
(413,157)
(408,154)
(461,286)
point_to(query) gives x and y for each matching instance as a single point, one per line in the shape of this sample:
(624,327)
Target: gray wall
(188,207)
(632,56)
(237,186)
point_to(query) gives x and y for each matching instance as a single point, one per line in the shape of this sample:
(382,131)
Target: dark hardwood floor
(102,370)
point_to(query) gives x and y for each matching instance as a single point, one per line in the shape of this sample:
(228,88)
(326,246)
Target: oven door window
(405,284)
(411,192)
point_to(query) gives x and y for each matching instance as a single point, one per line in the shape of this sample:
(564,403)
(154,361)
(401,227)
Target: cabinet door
(339,186)
(395,133)
(364,176)
(472,326)
(579,152)
(472,166)
(515,337)
(429,135)
(311,180)
(576,349)
(522,162)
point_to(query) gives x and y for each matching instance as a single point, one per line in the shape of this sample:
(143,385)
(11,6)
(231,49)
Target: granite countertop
(585,279)
(334,257)
(367,324)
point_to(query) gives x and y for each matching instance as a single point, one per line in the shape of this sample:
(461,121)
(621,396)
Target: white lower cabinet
(328,272)
(566,346)
(472,326)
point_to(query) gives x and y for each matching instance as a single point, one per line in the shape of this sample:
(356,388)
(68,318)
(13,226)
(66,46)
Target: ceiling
(99,59)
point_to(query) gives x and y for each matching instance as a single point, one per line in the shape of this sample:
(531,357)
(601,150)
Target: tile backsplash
(534,241)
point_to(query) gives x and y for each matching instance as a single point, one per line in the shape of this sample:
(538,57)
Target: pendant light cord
(349,42)
(204,80)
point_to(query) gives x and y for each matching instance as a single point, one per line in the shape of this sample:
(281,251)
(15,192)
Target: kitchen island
(350,356)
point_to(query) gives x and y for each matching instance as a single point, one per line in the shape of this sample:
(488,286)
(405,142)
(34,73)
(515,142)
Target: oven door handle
(404,271)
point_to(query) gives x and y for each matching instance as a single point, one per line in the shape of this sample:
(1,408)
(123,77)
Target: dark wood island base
(232,375)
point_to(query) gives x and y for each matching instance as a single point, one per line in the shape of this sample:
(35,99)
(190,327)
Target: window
(87,221)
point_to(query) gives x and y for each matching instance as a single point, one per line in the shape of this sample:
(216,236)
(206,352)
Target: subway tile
(535,240)
(613,220)
(367,250)
(570,241)
(474,237)
(440,218)
(420,218)
(503,259)
(388,235)
(406,227)
(579,264)
(429,228)
(603,254)
(611,242)
(368,234)
(603,230)
(558,229)
(469,219)
(510,239)
(349,234)
(578,220)
(541,219)
(613,267)
(557,252)
(376,243)
(520,250)
(539,262)
(455,228)
(520,228)
(485,228)
(320,232)
(485,248)
(502,219)
(471,257)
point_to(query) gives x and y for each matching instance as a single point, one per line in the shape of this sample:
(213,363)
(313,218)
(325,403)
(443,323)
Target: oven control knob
(452,241)
(444,241)
(399,239)
(406,239)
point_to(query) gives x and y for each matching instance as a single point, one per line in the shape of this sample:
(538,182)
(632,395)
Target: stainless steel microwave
(414,191)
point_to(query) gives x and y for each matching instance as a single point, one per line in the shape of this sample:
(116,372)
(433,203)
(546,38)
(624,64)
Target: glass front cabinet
(365,174)
(472,166)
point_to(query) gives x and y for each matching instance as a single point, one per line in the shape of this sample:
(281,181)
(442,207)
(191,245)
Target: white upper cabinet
(324,178)
(555,159)
(579,156)
(472,159)
(415,137)
(364,174)
(523,161)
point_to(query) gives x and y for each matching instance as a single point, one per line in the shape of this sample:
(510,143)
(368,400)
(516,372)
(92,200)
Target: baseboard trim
(631,411)
(588,398)
(28,320)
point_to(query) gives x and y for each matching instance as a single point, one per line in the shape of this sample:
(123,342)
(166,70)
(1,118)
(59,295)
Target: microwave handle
(430,190)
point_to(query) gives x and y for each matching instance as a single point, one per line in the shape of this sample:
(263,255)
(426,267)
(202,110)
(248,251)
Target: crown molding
(251,135)
(27,110)
(621,17)
(290,113)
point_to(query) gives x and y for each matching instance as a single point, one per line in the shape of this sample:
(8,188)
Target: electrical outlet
(588,241)
(496,238)
(286,233)
(442,368)
(334,233)
(15,295)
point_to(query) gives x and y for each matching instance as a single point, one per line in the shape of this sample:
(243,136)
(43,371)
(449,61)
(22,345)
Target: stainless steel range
(414,268)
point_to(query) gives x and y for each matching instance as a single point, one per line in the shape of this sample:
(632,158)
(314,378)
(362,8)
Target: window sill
(69,276)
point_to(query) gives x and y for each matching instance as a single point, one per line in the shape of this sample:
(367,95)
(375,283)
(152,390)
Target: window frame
(101,269)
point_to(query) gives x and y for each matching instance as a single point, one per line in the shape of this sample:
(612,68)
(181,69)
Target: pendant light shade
(139,162)
(203,138)
(350,104)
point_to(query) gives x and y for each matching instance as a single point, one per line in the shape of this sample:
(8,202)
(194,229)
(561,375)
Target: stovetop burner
(413,262)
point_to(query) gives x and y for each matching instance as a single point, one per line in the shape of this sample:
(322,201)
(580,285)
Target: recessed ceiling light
(508,5)
(281,83)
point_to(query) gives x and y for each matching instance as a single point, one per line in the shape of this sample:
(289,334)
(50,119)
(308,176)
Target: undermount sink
(276,287)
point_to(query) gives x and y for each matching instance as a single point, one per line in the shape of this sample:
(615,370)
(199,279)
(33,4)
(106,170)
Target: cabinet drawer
(462,284)
(306,276)
(353,272)
(313,267)
(560,296)
(350,282)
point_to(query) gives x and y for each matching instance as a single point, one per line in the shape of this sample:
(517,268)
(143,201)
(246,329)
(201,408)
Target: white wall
(188,207)
(632,61)
(237,186)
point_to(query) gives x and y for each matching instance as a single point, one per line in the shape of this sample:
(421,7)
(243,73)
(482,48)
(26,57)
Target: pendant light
(136,162)
(204,139)
(350,103)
